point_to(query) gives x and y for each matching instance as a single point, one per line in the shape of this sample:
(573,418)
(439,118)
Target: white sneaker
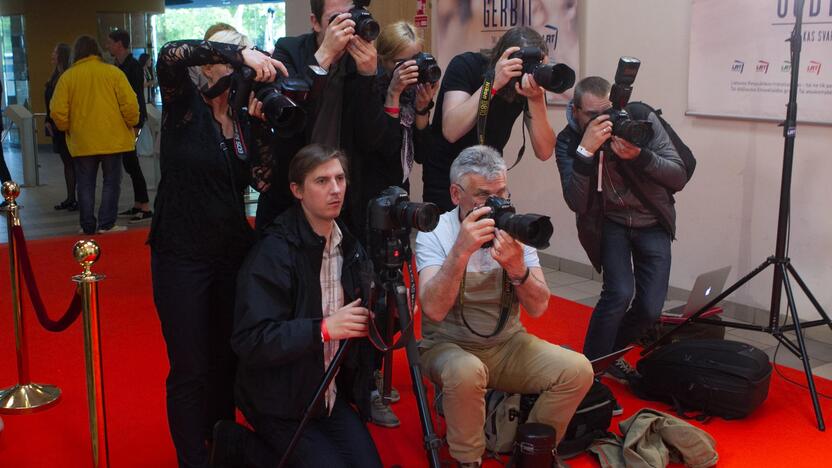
(114,228)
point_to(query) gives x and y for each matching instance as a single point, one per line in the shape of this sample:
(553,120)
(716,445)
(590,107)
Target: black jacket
(362,122)
(655,174)
(135,75)
(277,321)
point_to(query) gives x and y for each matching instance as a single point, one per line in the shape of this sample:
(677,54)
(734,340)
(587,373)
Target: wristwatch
(318,70)
(426,110)
(520,281)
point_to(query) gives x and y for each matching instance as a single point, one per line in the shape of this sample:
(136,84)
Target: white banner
(740,59)
(476,25)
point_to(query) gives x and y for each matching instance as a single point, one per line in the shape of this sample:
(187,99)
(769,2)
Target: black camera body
(392,210)
(429,71)
(556,78)
(366,27)
(531,229)
(637,132)
(280,100)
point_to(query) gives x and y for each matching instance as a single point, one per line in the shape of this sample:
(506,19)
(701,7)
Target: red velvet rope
(74,309)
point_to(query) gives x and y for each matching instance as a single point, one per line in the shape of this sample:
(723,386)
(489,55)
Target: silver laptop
(707,286)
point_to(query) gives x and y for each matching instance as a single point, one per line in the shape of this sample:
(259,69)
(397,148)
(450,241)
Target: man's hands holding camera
(508,68)
(477,229)
(406,74)
(340,38)
(350,321)
(597,132)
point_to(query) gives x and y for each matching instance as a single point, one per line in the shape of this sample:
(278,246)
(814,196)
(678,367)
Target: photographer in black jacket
(625,222)
(298,295)
(342,110)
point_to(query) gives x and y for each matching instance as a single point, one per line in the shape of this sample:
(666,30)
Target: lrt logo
(762,66)
(786,67)
(738,66)
(814,67)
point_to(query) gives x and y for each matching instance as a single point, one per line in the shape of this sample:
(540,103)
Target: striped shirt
(332,298)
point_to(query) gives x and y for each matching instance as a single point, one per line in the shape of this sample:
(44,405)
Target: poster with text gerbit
(476,25)
(740,60)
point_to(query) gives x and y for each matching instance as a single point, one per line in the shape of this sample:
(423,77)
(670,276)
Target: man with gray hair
(472,338)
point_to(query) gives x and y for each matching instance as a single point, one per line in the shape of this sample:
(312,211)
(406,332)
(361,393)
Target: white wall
(297,17)
(727,215)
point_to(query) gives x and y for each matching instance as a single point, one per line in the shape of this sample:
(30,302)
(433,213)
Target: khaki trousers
(523,364)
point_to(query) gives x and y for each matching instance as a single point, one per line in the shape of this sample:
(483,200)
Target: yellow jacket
(96,107)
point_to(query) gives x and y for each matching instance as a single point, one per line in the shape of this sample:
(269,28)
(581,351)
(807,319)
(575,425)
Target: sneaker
(113,228)
(130,213)
(621,371)
(140,217)
(394,394)
(381,414)
(228,447)
(617,410)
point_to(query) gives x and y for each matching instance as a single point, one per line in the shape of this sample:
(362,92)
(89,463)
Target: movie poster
(476,25)
(740,63)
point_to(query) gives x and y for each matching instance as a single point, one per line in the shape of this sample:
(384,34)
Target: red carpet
(781,433)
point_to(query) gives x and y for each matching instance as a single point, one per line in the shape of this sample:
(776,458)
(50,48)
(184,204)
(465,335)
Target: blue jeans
(635,261)
(86,173)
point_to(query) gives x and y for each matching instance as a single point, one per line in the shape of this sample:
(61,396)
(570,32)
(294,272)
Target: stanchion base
(28,398)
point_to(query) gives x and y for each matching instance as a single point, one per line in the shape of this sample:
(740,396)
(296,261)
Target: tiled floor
(40,220)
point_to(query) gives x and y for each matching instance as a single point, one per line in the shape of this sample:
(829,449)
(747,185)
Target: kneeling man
(464,289)
(297,298)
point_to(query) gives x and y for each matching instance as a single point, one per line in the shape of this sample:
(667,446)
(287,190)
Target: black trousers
(132,167)
(195,302)
(339,440)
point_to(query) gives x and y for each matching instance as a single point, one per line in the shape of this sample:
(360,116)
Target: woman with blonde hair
(200,233)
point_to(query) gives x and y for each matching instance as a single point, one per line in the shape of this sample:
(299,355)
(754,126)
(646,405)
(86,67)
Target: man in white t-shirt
(470,296)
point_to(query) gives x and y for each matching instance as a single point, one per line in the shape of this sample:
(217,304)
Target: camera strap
(482,118)
(374,335)
(506,301)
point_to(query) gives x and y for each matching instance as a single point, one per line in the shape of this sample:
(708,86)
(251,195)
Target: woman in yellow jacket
(96,107)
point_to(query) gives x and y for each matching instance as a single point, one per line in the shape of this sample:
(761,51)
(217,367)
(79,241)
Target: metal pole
(25,397)
(87,252)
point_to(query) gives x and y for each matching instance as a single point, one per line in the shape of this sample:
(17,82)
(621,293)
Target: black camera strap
(482,117)
(374,335)
(507,299)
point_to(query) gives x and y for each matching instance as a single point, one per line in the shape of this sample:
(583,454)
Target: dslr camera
(280,100)
(637,132)
(531,229)
(429,71)
(366,27)
(392,210)
(556,78)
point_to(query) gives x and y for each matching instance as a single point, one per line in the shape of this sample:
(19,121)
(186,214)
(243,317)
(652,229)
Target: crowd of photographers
(322,127)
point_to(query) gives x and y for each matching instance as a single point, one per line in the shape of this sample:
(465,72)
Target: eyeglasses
(482,195)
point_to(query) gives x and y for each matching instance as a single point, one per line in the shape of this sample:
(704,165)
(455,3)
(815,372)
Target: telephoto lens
(531,229)
(556,78)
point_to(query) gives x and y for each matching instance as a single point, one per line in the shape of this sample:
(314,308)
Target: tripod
(783,267)
(389,260)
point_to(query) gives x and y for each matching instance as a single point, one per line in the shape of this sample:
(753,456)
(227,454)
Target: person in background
(199,234)
(94,104)
(60,60)
(118,44)
(146,62)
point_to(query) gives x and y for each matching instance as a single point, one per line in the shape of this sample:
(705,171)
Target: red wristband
(324,332)
(493,91)
(391,110)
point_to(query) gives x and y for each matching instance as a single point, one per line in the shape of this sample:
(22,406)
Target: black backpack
(721,378)
(591,420)
(639,111)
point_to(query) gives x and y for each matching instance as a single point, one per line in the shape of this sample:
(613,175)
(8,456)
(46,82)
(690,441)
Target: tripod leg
(809,294)
(804,356)
(432,441)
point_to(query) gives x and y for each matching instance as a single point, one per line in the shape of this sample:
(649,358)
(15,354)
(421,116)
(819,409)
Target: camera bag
(590,421)
(502,417)
(721,378)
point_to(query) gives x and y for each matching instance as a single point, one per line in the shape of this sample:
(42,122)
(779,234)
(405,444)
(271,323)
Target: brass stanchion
(25,397)
(86,252)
